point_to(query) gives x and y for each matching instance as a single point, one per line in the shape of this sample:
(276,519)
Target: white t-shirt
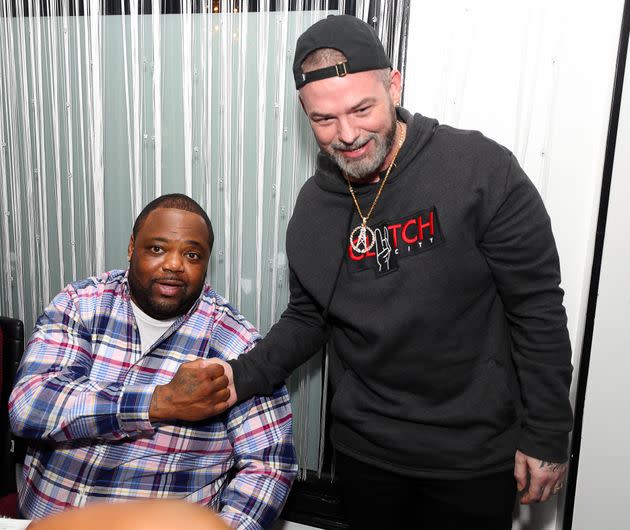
(150,329)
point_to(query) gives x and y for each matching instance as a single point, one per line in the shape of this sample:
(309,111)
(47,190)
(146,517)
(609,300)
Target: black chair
(11,348)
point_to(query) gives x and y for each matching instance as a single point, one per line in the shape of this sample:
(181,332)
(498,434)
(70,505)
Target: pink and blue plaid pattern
(82,396)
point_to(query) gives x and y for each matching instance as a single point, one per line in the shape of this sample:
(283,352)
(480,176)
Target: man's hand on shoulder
(536,479)
(199,390)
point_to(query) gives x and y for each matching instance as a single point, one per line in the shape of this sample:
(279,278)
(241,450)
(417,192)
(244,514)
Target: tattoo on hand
(553,466)
(186,383)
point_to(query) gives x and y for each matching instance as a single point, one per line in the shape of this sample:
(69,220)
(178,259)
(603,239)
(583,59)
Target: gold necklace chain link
(401,139)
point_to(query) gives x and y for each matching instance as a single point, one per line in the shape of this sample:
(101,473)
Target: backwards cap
(351,36)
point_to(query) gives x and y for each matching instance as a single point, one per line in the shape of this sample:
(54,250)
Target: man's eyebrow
(161,239)
(157,238)
(364,102)
(315,114)
(194,242)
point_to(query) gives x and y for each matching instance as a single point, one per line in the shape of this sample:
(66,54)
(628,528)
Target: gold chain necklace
(361,243)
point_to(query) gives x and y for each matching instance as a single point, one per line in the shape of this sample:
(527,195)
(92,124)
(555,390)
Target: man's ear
(395,86)
(130,247)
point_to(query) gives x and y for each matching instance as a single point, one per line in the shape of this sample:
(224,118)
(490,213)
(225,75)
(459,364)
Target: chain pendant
(362,238)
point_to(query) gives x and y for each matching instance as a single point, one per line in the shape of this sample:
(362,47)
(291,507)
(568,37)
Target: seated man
(114,387)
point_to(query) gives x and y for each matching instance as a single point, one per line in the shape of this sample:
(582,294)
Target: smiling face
(168,260)
(354,119)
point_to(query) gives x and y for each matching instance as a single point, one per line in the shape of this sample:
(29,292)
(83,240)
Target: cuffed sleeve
(133,411)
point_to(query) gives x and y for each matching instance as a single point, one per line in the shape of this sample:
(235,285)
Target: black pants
(380,500)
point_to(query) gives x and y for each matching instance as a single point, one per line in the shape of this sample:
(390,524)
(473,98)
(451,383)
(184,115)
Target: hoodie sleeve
(521,252)
(298,335)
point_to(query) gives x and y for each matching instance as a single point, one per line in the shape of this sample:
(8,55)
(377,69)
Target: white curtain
(102,112)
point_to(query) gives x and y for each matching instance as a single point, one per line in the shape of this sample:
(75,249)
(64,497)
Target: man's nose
(348,133)
(173,261)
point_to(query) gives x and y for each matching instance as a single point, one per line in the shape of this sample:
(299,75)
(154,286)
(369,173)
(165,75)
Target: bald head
(135,515)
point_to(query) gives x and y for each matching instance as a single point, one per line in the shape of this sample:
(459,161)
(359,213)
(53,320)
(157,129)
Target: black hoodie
(449,347)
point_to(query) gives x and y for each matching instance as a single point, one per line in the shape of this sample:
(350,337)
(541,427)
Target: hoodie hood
(420,130)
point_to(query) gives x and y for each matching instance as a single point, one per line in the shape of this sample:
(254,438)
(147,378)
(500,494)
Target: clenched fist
(198,391)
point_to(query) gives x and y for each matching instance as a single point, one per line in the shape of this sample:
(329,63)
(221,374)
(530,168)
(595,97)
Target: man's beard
(160,310)
(365,168)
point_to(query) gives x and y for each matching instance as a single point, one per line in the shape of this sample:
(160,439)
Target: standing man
(424,256)
(115,388)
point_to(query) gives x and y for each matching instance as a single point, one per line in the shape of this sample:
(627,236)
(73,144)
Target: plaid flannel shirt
(83,392)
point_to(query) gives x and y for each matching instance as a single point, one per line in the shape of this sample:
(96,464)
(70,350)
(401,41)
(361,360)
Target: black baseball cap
(351,36)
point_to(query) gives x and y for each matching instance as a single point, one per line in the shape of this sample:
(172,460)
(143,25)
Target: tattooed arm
(537,479)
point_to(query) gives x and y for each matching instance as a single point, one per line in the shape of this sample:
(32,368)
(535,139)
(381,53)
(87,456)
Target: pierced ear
(395,87)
